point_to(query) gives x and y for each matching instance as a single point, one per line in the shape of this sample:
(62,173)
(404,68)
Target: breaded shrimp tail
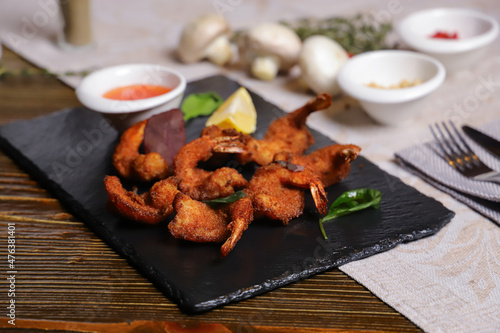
(320,102)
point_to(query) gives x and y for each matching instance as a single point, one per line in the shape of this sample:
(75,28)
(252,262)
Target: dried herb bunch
(37,72)
(356,34)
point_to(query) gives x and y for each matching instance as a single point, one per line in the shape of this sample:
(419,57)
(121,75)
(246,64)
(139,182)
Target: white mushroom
(207,37)
(320,61)
(269,48)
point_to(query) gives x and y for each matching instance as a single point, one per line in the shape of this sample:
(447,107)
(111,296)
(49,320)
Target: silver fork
(459,155)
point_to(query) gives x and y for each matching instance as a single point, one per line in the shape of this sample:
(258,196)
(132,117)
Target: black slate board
(69,153)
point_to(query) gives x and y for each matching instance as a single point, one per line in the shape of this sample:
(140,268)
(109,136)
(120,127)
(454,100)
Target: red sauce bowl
(124,113)
(476,31)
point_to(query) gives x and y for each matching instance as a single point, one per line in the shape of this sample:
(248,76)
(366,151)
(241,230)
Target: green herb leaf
(229,199)
(351,201)
(200,104)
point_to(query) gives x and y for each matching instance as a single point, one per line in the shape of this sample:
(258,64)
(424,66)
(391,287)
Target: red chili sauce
(445,35)
(136,91)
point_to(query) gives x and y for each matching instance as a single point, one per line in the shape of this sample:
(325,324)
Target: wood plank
(159,326)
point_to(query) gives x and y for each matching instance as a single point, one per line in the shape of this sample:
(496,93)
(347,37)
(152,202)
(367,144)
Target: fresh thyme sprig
(357,34)
(34,72)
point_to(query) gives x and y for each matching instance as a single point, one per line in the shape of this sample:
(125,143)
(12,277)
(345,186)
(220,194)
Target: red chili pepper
(445,35)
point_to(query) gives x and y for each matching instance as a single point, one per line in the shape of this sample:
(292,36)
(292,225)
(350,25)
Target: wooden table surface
(69,280)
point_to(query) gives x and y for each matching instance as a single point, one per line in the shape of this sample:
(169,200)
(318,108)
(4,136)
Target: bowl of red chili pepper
(126,94)
(457,37)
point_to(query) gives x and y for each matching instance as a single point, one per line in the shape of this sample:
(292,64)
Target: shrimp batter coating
(214,131)
(202,184)
(197,221)
(131,164)
(286,134)
(277,191)
(151,207)
(220,159)
(331,163)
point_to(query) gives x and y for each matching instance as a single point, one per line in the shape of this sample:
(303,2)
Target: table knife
(487,142)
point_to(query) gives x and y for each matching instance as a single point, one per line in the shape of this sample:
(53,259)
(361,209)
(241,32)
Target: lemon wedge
(236,112)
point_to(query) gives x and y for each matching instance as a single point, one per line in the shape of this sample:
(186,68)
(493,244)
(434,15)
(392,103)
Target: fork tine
(441,143)
(459,155)
(453,144)
(469,153)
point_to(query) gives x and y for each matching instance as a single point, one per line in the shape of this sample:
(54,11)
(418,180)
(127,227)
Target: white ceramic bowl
(123,114)
(386,68)
(475,32)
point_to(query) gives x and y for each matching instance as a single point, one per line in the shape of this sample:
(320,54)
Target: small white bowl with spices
(127,94)
(391,85)
(458,37)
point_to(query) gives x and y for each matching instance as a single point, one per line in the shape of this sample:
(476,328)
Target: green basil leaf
(229,199)
(200,104)
(350,202)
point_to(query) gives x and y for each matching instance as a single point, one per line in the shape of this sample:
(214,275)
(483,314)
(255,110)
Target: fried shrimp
(331,163)
(202,184)
(150,207)
(286,134)
(131,164)
(241,212)
(197,221)
(277,191)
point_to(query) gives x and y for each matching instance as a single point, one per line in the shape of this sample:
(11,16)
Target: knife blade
(487,142)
